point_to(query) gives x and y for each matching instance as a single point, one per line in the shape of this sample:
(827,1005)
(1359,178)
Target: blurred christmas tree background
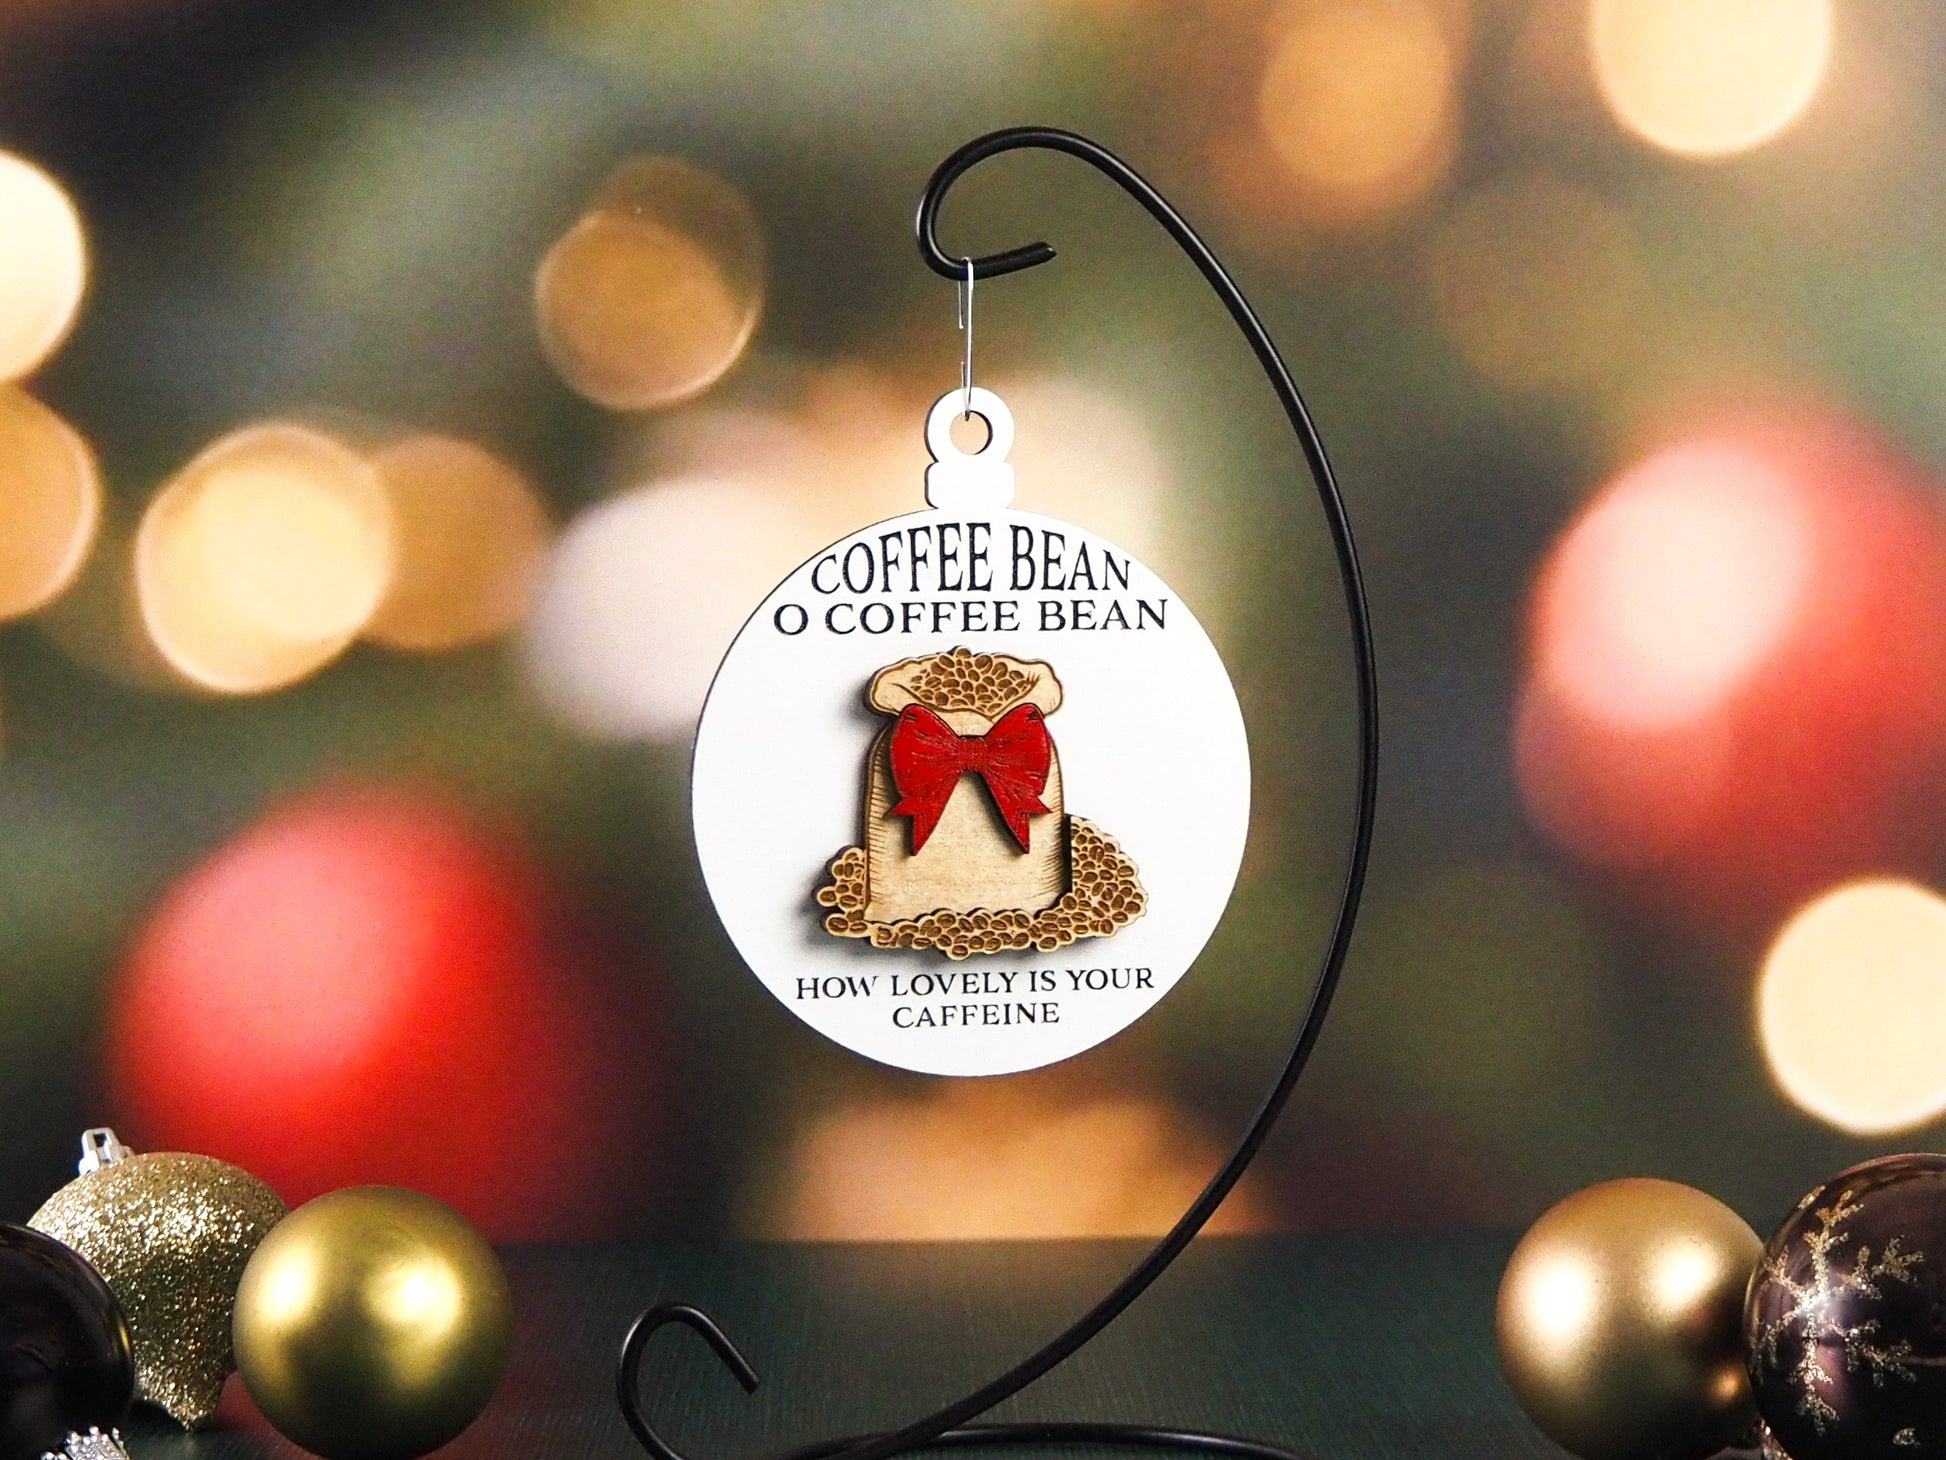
(410,399)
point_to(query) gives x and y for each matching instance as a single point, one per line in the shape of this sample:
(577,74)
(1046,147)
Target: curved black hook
(1073,1432)
(628,1391)
(628,1368)
(949,1424)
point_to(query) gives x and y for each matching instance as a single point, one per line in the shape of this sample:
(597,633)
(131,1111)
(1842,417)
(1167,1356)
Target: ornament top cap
(958,480)
(100,1148)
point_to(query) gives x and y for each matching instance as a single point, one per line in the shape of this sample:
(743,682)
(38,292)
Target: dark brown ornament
(67,1372)
(1846,1320)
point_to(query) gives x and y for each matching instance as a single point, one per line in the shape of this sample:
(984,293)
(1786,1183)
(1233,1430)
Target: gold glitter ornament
(171,1234)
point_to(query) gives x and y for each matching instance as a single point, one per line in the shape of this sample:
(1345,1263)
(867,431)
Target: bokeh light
(1737,665)
(644,593)
(1359,102)
(1087,456)
(470,535)
(987,1159)
(1851,1002)
(654,292)
(264,557)
(43,265)
(365,986)
(1676,584)
(50,503)
(1709,77)
(1539,284)
(851,451)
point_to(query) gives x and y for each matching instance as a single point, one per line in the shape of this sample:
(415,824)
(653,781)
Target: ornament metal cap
(94,1445)
(99,1148)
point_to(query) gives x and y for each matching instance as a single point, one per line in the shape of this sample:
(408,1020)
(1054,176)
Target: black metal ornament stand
(950,1426)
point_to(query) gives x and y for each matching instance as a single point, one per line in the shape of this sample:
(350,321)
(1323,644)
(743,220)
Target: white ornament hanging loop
(961,481)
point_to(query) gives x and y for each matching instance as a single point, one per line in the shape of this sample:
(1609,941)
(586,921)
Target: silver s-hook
(964,317)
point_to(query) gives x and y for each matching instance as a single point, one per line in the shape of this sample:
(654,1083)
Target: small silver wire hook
(964,317)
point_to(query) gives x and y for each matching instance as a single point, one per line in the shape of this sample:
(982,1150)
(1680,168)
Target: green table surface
(1348,1346)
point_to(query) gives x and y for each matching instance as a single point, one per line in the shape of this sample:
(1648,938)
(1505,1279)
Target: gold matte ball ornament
(372,1324)
(170,1233)
(1620,1322)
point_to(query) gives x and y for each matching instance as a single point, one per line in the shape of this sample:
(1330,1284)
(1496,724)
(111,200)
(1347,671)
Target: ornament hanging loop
(966,481)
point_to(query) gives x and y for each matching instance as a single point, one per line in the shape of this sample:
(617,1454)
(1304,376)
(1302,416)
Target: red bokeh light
(368,986)
(1736,668)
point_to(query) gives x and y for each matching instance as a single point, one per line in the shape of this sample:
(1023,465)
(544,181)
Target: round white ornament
(971,786)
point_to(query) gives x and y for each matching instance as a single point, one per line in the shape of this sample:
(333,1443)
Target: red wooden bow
(928,758)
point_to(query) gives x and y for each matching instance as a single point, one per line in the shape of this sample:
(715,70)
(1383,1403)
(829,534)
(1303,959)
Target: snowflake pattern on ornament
(94,1445)
(1810,1312)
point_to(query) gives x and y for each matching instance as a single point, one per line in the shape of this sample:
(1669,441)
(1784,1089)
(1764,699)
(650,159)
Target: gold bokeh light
(654,292)
(1358,102)
(50,503)
(984,1159)
(1850,1004)
(263,558)
(43,265)
(1708,78)
(471,534)
(1539,284)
